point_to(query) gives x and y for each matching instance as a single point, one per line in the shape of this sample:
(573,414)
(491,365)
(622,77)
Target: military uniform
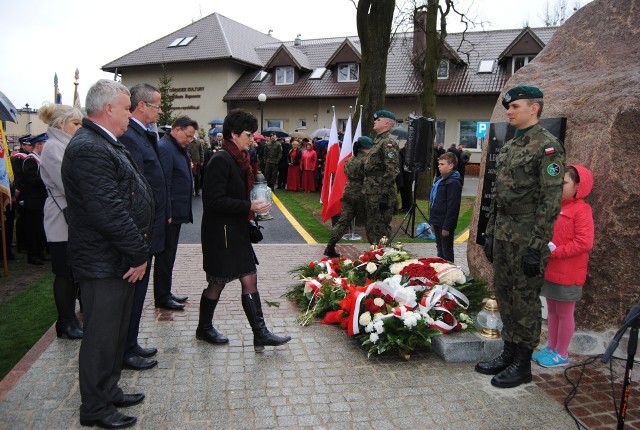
(352,197)
(525,203)
(272,154)
(381,167)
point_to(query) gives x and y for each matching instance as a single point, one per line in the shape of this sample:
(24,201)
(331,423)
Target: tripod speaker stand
(410,217)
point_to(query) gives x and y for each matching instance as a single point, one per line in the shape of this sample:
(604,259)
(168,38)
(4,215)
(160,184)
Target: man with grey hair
(110,210)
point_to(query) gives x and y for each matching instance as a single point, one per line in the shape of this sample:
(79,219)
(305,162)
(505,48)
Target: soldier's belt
(517,210)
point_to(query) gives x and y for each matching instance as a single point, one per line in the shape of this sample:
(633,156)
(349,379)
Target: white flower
(377,316)
(449,274)
(365,318)
(321,276)
(428,320)
(464,318)
(369,327)
(371,267)
(347,261)
(323,265)
(379,326)
(378,301)
(409,321)
(396,268)
(463,325)
(406,296)
(373,337)
(337,281)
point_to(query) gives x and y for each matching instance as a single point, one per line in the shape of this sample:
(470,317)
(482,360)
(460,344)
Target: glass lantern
(489,321)
(262,192)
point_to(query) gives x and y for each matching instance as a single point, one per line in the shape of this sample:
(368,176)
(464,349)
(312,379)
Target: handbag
(255,235)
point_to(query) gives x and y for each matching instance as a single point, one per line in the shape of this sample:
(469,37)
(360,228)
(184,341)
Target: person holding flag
(381,166)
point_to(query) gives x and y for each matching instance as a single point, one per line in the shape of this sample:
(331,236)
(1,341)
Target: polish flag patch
(549,151)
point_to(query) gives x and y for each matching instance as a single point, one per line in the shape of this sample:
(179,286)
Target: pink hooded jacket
(573,236)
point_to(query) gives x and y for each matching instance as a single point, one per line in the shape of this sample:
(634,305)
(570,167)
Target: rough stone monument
(590,74)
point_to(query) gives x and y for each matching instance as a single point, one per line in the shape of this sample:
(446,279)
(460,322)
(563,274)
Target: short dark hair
(141,93)
(450,157)
(573,174)
(237,121)
(184,122)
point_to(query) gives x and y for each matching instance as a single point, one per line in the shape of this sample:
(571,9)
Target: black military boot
(330,250)
(261,335)
(517,373)
(64,294)
(206,331)
(501,362)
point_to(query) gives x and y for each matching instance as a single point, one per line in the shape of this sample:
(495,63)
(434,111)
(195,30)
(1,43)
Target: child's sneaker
(553,360)
(538,355)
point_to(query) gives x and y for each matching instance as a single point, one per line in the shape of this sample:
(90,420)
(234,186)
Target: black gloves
(488,247)
(383,203)
(531,263)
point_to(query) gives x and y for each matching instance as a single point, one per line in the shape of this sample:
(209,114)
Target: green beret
(521,92)
(364,142)
(383,113)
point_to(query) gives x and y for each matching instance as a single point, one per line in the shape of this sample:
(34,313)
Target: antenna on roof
(270,31)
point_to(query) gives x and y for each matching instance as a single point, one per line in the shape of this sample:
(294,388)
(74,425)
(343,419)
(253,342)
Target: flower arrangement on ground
(389,301)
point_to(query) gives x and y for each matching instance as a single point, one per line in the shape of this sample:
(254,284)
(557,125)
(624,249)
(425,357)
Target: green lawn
(23,321)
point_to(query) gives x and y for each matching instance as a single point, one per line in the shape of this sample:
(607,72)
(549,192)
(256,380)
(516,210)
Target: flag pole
(55,88)
(75,91)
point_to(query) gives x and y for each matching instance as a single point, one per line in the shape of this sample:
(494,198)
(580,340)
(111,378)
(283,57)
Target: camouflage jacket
(272,152)
(353,169)
(381,165)
(526,197)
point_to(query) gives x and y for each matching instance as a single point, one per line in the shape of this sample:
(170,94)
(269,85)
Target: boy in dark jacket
(445,204)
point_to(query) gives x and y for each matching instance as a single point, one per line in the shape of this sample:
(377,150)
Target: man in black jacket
(143,146)
(110,208)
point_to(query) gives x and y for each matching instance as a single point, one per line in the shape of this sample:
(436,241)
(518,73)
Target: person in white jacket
(63,122)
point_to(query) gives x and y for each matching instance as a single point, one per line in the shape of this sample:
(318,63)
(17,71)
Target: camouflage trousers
(351,207)
(518,296)
(378,222)
(271,174)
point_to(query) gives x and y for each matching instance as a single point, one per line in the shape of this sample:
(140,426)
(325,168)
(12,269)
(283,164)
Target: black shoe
(261,335)
(517,373)
(501,362)
(171,305)
(145,352)
(68,331)
(115,420)
(330,251)
(205,330)
(136,362)
(129,400)
(36,261)
(179,299)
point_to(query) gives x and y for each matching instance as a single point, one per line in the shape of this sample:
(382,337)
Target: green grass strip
(303,206)
(23,321)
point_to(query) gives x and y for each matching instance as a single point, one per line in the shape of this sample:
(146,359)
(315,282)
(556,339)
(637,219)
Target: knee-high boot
(64,294)
(330,250)
(206,331)
(261,335)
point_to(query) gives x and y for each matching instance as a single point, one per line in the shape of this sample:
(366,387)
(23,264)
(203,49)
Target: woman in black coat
(226,247)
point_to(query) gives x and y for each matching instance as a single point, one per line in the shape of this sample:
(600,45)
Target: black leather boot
(206,331)
(517,373)
(261,335)
(330,250)
(501,362)
(64,294)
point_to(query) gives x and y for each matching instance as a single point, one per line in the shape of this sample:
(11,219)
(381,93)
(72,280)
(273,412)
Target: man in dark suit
(110,208)
(143,146)
(173,149)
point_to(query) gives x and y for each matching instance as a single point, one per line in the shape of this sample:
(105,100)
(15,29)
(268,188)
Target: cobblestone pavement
(319,380)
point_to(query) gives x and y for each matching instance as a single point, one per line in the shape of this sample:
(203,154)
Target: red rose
(312,264)
(458,327)
(447,318)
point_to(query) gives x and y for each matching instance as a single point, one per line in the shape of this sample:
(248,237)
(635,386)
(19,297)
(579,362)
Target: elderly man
(381,166)
(525,203)
(143,146)
(110,208)
(176,165)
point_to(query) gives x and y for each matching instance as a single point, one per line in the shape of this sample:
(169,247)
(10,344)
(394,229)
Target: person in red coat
(293,174)
(308,165)
(567,267)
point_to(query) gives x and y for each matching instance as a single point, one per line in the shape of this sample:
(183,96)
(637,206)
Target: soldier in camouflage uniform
(352,197)
(381,166)
(525,203)
(272,154)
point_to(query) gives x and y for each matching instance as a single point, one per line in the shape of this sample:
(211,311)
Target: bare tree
(558,13)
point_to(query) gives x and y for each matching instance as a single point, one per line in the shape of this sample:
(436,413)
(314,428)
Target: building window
(284,75)
(259,77)
(275,123)
(181,41)
(443,69)
(440,124)
(467,134)
(520,61)
(348,72)
(302,124)
(486,66)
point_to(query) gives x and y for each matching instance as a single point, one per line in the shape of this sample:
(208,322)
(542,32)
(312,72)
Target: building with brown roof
(218,64)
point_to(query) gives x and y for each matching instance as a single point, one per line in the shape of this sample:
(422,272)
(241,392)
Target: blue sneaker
(538,355)
(553,360)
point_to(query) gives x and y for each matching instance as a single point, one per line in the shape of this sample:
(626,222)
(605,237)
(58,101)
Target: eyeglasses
(189,138)
(152,105)
(249,134)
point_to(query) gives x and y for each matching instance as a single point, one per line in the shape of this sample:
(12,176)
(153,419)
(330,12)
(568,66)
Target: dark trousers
(21,229)
(444,244)
(36,239)
(197,180)
(9,219)
(139,295)
(283,173)
(163,269)
(107,310)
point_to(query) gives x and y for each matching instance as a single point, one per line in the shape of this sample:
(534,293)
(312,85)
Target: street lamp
(262,97)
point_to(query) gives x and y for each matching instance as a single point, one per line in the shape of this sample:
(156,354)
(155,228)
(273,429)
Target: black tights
(249,285)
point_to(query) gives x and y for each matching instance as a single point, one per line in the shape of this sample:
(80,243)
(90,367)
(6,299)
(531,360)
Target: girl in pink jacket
(567,267)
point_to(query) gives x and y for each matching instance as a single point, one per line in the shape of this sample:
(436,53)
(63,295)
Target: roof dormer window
(486,66)
(284,75)
(348,72)
(443,69)
(520,61)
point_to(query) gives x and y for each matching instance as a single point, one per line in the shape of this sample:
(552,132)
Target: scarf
(242,160)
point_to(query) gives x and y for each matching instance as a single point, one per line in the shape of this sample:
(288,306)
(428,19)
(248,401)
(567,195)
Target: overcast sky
(40,38)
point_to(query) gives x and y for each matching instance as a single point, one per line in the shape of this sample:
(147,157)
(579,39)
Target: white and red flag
(340,180)
(330,166)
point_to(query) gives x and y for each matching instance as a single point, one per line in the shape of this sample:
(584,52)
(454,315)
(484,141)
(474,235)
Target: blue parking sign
(481,129)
